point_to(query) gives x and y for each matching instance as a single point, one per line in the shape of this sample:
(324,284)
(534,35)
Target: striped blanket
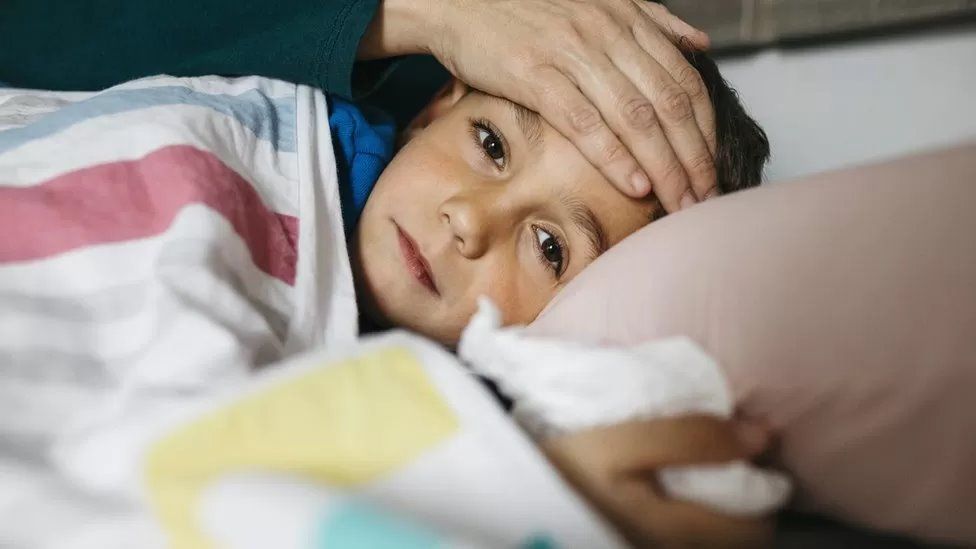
(169,249)
(163,236)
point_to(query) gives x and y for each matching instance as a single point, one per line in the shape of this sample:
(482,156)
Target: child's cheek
(432,165)
(518,298)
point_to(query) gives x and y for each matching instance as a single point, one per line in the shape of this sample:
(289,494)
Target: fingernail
(687,200)
(704,40)
(753,436)
(641,184)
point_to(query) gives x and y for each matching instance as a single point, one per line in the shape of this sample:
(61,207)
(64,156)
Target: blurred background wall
(743,22)
(842,82)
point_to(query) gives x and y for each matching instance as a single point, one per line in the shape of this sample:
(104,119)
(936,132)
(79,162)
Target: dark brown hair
(742,148)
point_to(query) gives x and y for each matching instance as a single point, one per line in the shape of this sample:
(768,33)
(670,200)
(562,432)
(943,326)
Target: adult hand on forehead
(607,74)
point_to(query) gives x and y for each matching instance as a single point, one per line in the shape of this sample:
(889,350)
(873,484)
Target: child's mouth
(415,261)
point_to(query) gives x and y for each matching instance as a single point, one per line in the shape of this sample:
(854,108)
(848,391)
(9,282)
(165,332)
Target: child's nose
(475,222)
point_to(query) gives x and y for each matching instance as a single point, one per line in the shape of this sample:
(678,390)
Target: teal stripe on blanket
(269,119)
(357,524)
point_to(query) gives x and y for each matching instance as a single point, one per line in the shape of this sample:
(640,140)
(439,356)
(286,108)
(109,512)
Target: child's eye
(550,251)
(490,142)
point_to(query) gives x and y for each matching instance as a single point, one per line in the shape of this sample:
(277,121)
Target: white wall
(841,105)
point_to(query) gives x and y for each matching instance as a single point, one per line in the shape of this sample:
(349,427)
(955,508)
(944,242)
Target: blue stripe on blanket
(270,119)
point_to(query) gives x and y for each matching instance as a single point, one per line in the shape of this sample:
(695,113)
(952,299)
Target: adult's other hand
(608,74)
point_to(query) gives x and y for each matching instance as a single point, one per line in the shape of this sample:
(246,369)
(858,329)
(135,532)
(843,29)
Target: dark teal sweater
(93,44)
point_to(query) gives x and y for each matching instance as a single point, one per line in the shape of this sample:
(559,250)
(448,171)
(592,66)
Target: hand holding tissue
(562,387)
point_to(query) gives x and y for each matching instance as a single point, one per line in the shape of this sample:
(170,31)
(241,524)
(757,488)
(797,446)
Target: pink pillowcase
(843,310)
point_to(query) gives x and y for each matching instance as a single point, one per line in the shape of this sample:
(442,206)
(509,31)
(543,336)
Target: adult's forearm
(92,44)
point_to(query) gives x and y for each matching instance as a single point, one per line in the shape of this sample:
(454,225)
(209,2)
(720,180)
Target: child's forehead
(560,171)
(556,165)
(532,125)
(620,214)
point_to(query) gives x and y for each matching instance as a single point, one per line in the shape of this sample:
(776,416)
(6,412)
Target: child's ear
(447,97)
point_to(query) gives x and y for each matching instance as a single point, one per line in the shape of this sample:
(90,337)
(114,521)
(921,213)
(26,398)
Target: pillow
(843,311)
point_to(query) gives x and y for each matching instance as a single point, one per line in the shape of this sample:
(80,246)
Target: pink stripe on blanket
(134,199)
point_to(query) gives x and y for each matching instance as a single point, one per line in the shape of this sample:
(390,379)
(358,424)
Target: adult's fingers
(679,122)
(678,30)
(574,115)
(632,117)
(667,55)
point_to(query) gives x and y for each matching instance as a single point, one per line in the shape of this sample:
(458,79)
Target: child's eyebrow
(529,122)
(587,223)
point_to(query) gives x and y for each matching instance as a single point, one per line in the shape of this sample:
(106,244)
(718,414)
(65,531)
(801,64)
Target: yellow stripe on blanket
(343,424)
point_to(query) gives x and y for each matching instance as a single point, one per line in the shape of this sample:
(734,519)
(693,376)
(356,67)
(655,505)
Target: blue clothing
(362,139)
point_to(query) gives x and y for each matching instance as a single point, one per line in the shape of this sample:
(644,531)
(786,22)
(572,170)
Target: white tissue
(562,386)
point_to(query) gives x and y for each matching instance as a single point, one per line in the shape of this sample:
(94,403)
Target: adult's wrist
(403,27)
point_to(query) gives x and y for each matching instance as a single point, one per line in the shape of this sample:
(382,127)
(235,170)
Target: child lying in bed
(485,198)
(168,235)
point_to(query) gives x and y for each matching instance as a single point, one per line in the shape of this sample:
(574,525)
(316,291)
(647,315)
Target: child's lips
(415,262)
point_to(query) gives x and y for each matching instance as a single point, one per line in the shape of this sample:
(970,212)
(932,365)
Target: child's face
(478,203)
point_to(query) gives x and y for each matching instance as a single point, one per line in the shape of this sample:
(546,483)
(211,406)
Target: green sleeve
(93,44)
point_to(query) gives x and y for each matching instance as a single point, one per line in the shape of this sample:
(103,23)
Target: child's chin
(436,333)
(375,318)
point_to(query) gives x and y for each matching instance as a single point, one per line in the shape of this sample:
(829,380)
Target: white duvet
(179,362)
(167,246)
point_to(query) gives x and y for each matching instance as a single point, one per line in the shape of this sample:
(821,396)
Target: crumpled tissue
(563,386)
